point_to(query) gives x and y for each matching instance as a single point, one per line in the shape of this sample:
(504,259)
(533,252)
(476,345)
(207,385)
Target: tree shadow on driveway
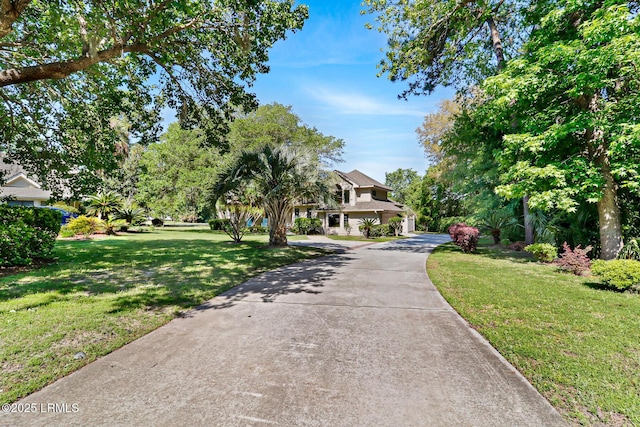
(305,277)
(424,243)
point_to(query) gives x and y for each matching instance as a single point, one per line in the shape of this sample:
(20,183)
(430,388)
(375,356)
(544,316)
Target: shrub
(505,242)
(258,229)
(27,233)
(218,224)
(381,230)
(302,226)
(395,224)
(65,232)
(631,250)
(157,222)
(622,274)
(464,236)
(576,261)
(544,252)
(84,225)
(315,226)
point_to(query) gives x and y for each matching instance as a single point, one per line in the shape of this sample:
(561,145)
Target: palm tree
(279,175)
(365,226)
(104,204)
(131,213)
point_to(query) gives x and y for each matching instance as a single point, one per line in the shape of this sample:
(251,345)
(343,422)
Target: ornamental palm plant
(279,175)
(104,204)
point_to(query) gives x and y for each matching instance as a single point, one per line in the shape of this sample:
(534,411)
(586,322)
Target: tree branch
(10,11)
(60,70)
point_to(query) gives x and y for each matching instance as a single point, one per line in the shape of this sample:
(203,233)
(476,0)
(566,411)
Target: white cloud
(353,103)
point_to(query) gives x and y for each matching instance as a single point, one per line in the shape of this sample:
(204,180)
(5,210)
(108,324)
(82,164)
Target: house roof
(25,193)
(361,180)
(10,171)
(10,174)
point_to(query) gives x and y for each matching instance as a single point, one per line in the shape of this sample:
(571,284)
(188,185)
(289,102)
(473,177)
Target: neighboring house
(21,188)
(359,196)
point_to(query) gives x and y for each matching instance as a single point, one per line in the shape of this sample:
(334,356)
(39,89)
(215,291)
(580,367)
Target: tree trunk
(528,225)
(497,43)
(278,214)
(609,212)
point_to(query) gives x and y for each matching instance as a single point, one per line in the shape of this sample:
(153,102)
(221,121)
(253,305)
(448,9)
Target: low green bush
(27,233)
(218,224)
(622,274)
(381,230)
(301,225)
(65,232)
(258,229)
(505,242)
(544,252)
(84,225)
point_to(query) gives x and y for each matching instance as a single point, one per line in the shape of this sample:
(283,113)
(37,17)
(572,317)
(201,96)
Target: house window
(296,213)
(346,219)
(374,193)
(334,220)
(20,202)
(308,213)
(345,196)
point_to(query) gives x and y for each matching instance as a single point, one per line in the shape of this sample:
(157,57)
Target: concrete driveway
(360,338)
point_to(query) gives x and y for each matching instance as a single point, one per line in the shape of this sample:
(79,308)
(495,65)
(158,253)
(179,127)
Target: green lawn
(104,293)
(577,343)
(360,238)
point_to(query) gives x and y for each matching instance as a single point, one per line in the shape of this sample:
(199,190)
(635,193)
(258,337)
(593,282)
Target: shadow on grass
(151,274)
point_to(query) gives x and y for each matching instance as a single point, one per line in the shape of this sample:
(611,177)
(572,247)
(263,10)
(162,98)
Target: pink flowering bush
(575,261)
(464,236)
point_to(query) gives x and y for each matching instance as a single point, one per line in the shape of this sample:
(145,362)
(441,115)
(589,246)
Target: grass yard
(578,344)
(104,293)
(362,239)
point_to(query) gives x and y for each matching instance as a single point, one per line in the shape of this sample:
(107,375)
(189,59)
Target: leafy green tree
(68,68)
(280,175)
(178,175)
(277,124)
(433,199)
(451,42)
(576,98)
(432,42)
(400,180)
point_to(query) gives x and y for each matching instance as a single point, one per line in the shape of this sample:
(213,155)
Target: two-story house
(359,196)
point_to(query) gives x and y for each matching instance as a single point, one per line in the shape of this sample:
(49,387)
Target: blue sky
(327,73)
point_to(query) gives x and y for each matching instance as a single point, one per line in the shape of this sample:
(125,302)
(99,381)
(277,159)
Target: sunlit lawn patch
(104,293)
(578,344)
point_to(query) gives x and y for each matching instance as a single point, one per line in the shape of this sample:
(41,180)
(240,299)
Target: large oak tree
(68,67)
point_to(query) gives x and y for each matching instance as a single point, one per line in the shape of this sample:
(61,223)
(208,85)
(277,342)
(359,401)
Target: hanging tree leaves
(67,68)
